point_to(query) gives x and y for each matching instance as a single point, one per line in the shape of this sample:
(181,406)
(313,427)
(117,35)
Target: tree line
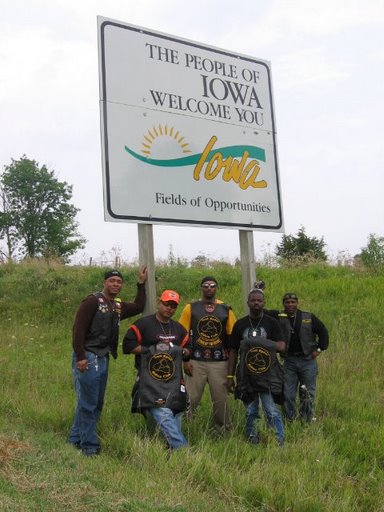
(37,220)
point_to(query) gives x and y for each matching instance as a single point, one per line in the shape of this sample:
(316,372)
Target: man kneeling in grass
(160,346)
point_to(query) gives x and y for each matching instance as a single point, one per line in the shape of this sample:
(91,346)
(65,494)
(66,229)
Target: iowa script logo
(239,164)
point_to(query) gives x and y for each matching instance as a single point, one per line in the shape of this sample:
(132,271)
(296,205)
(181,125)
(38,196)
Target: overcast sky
(327,61)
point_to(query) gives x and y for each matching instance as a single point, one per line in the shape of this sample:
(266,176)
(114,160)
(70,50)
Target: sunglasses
(171,305)
(207,286)
(290,296)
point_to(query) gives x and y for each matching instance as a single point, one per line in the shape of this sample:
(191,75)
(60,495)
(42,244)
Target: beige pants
(215,374)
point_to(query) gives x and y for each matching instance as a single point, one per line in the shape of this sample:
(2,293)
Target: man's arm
(234,345)
(83,320)
(185,318)
(321,331)
(132,341)
(185,321)
(129,309)
(232,362)
(230,321)
(136,307)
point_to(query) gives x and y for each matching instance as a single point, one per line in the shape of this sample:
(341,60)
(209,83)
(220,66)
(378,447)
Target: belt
(296,354)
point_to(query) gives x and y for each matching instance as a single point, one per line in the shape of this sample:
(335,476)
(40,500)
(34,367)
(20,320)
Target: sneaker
(255,439)
(91,453)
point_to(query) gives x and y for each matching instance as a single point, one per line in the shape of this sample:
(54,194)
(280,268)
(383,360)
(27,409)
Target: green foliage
(301,247)
(337,463)
(373,254)
(36,219)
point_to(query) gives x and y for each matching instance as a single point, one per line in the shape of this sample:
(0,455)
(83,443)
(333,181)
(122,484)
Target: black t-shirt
(266,327)
(149,331)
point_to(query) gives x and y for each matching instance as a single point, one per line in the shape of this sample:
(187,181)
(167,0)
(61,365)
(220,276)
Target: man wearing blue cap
(95,336)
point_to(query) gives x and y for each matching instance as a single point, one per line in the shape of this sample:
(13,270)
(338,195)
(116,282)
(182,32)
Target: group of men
(175,360)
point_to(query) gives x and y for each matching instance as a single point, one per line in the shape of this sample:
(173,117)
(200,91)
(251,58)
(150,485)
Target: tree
(36,218)
(6,231)
(301,246)
(373,254)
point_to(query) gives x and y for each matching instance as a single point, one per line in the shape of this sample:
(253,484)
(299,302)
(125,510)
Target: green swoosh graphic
(234,151)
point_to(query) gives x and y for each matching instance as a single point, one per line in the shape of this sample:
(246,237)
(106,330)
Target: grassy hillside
(337,463)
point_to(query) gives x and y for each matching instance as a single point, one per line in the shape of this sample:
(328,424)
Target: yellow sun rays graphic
(163,131)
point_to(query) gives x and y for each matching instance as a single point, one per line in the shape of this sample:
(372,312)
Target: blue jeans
(90,388)
(170,426)
(272,413)
(297,372)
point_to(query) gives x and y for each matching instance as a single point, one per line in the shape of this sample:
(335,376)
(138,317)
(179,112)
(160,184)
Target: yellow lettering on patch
(243,173)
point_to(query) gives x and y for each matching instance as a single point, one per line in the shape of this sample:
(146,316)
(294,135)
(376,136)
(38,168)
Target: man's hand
(82,365)
(230,384)
(188,368)
(143,274)
(315,354)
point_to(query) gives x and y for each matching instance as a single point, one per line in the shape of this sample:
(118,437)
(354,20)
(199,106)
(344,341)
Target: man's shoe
(255,439)
(91,453)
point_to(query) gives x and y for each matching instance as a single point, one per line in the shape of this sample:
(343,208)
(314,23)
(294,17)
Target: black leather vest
(160,382)
(103,333)
(208,326)
(259,370)
(306,334)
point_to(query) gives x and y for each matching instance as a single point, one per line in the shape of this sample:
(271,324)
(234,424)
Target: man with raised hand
(95,336)
(257,337)
(209,322)
(160,346)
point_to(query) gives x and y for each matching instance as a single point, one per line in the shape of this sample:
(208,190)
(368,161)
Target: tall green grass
(337,463)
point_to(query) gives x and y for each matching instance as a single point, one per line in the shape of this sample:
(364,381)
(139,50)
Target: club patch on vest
(258,360)
(161,367)
(209,329)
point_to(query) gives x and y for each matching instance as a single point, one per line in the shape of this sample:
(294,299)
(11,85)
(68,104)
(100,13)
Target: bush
(301,247)
(373,254)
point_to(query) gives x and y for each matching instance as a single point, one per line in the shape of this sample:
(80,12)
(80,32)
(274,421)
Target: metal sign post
(248,264)
(147,257)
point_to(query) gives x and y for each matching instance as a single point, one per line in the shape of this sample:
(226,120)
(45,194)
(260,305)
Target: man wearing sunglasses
(209,322)
(160,345)
(306,337)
